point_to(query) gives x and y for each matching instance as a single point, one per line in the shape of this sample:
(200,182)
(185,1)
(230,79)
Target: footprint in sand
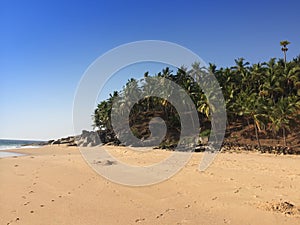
(226,221)
(17,219)
(167,210)
(160,215)
(238,190)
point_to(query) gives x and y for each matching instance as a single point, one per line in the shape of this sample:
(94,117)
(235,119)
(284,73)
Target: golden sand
(54,185)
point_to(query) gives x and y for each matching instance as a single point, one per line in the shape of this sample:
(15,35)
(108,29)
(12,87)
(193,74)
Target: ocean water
(14,144)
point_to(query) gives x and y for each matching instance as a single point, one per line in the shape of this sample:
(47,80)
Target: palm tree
(241,73)
(282,113)
(102,115)
(290,79)
(284,48)
(264,96)
(252,107)
(257,76)
(271,88)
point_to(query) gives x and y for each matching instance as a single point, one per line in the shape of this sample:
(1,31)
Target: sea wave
(12,147)
(7,144)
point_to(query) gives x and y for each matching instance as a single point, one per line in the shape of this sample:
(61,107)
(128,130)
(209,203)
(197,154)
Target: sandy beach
(54,185)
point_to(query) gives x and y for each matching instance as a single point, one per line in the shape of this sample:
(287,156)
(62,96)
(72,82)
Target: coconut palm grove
(262,103)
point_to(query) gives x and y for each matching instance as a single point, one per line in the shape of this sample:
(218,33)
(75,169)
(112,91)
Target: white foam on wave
(31,146)
(8,147)
(12,147)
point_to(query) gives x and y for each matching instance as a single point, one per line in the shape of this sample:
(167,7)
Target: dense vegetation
(263,98)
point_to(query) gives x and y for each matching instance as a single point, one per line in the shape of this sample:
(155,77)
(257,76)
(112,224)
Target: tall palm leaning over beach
(251,106)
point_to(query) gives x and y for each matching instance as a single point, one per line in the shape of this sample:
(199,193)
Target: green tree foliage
(264,95)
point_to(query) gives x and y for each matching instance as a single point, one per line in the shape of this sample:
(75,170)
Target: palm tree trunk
(284,58)
(257,137)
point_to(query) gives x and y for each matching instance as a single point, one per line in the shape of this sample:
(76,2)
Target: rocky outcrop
(70,141)
(88,139)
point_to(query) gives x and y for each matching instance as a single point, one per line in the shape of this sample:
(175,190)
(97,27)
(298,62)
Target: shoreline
(224,149)
(6,154)
(12,152)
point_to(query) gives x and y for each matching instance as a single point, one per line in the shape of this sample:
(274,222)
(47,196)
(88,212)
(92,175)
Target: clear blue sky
(45,47)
